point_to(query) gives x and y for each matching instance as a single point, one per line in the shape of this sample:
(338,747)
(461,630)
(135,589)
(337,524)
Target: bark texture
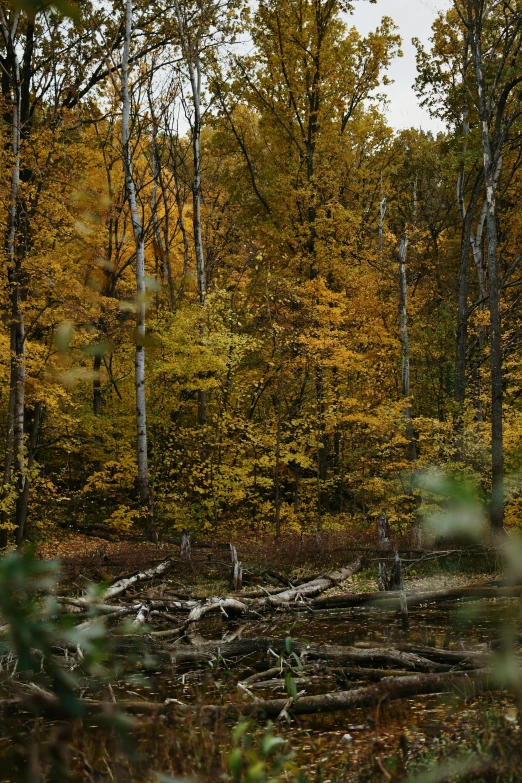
(139,241)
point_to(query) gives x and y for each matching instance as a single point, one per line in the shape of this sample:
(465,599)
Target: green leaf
(298,661)
(63,335)
(256,772)
(239,731)
(235,760)
(65,7)
(97,349)
(291,687)
(446,770)
(270,742)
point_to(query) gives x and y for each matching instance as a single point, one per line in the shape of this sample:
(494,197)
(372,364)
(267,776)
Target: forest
(260,394)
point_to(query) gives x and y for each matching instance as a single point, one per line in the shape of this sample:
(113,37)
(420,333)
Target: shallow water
(317,739)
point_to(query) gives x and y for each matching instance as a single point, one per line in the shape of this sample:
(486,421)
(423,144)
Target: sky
(414,19)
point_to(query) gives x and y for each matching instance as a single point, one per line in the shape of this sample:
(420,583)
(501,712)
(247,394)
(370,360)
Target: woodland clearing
(350,693)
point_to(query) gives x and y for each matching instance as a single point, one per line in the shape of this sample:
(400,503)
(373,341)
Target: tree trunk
(195,83)
(184,551)
(322,450)
(190,46)
(405,347)
(8,460)
(139,362)
(236,579)
(96,385)
(383,531)
(14,458)
(163,246)
(181,218)
(277,471)
(22,504)
(467,215)
(395,580)
(491,161)
(478,259)
(18,376)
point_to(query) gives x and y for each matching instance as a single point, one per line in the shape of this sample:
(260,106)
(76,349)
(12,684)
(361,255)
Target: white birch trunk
(139,362)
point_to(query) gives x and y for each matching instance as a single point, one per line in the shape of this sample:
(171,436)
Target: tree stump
(383,582)
(185,553)
(396,576)
(236,577)
(395,581)
(384,532)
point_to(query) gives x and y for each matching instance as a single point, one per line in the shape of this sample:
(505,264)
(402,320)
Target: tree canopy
(233,297)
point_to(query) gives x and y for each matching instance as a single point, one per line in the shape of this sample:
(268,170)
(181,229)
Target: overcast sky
(414,19)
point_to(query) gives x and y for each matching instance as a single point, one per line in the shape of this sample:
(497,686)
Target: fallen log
(123,584)
(216,605)
(312,588)
(172,605)
(260,593)
(198,609)
(377,655)
(142,616)
(166,616)
(455,657)
(343,673)
(280,684)
(259,676)
(84,604)
(210,650)
(465,684)
(242,602)
(458,658)
(389,689)
(169,633)
(196,613)
(392,600)
(121,611)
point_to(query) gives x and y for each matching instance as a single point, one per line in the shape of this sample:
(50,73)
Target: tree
(39,99)
(477,62)
(139,240)
(14,452)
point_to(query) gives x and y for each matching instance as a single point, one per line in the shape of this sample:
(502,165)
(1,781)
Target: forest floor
(211,729)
